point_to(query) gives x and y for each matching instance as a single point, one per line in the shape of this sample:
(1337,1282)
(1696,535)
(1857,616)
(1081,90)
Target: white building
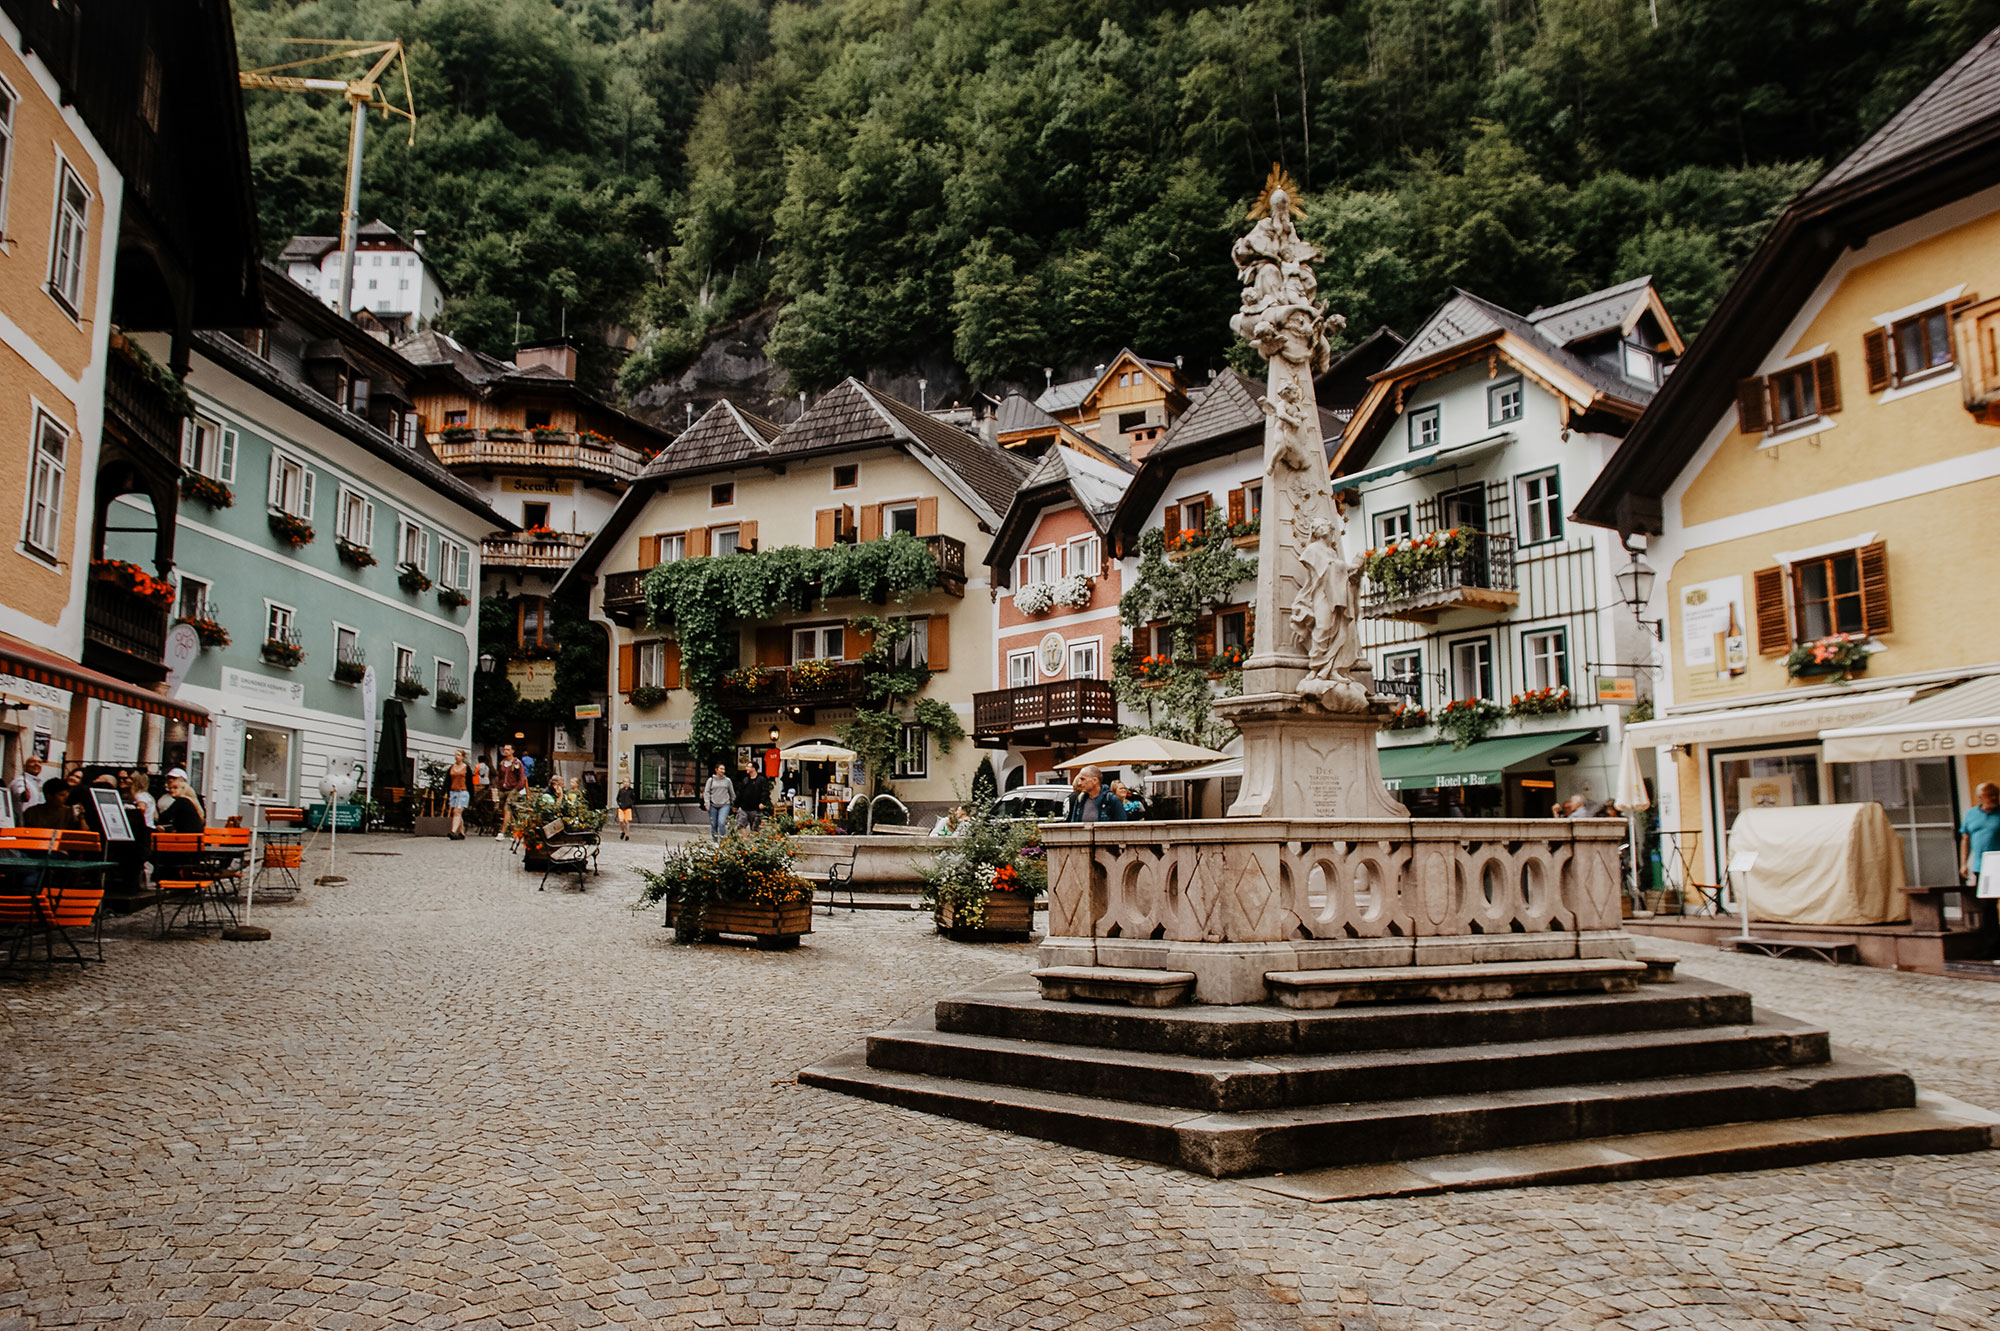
(392,282)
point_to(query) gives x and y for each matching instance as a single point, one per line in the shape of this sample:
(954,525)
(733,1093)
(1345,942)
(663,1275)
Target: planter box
(428,826)
(773,927)
(1010,917)
(1827,668)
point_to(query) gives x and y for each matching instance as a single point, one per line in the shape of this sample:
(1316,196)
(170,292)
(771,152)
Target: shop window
(1917,795)
(267,764)
(664,772)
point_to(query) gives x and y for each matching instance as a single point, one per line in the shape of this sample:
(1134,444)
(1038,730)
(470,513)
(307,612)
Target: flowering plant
(409,688)
(813,674)
(1407,716)
(744,679)
(349,670)
(1402,567)
(1469,720)
(750,867)
(290,528)
(206,489)
(1034,598)
(541,531)
(546,433)
(1229,658)
(211,633)
(411,578)
(988,854)
(456,434)
(352,553)
(451,598)
(1542,702)
(133,579)
(1832,655)
(282,653)
(449,700)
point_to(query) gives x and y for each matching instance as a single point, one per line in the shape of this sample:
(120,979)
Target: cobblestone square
(438,1097)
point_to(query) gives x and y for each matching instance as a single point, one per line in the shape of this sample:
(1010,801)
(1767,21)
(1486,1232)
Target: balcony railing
(133,628)
(1480,579)
(835,685)
(1040,710)
(509,450)
(557,550)
(141,409)
(949,552)
(625,597)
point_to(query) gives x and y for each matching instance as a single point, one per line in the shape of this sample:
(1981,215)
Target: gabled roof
(1065,397)
(430,350)
(307,249)
(1571,321)
(1943,146)
(1150,368)
(722,436)
(1063,474)
(1016,413)
(854,416)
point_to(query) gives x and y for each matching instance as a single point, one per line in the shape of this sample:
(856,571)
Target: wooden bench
(1834,954)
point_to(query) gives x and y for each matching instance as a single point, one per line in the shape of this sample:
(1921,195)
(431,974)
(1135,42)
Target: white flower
(1073,590)
(1034,597)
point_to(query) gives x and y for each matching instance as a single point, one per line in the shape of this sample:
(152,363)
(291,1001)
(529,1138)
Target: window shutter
(773,646)
(226,470)
(927,516)
(649,551)
(1826,382)
(697,541)
(189,432)
(1173,523)
(1235,506)
(368,524)
(672,671)
(871,523)
(826,528)
(628,667)
(306,494)
(1752,414)
(1204,640)
(939,645)
(1774,630)
(746,536)
(277,486)
(1875,354)
(358,396)
(1874,561)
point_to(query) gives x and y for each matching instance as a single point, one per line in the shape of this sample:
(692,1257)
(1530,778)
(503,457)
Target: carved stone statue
(1327,611)
(1280,315)
(1290,418)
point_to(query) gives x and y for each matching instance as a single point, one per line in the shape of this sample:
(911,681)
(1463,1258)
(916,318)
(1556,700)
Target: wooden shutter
(774,646)
(826,528)
(1173,523)
(862,644)
(1774,630)
(1826,383)
(746,536)
(1875,355)
(672,672)
(1235,506)
(1204,640)
(871,523)
(927,516)
(1752,406)
(697,541)
(939,648)
(1874,561)
(649,551)
(628,667)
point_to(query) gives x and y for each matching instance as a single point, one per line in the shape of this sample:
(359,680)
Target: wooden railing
(837,685)
(556,551)
(507,450)
(625,596)
(1038,707)
(949,552)
(142,409)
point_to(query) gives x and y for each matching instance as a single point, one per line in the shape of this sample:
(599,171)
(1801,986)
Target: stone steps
(1332,986)
(1238,1085)
(1137,986)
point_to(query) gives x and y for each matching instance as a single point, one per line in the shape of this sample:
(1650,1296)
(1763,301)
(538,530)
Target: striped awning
(27,661)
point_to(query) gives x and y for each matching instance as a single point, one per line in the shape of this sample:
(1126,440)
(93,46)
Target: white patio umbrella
(1631,781)
(1142,751)
(815,752)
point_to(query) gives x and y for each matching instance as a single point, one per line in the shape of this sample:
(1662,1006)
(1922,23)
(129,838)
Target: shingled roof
(1466,319)
(1968,91)
(1572,321)
(1062,475)
(1017,413)
(722,436)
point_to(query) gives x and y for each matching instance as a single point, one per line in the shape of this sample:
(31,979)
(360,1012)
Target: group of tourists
(722,795)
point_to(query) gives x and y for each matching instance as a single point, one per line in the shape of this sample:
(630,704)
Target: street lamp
(774,735)
(486,663)
(1635,584)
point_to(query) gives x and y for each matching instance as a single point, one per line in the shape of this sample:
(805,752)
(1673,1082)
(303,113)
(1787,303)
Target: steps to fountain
(1406,1087)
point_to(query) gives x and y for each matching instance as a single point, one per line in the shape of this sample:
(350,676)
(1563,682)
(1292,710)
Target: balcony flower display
(594,439)
(744,679)
(456,434)
(1542,702)
(451,598)
(1835,654)
(209,631)
(1401,567)
(412,579)
(813,674)
(1407,716)
(409,688)
(349,670)
(1034,598)
(1468,720)
(352,554)
(290,528)
(448,700)
(206,489)
(541,531)
(547,434)
(133,579)
(280,652)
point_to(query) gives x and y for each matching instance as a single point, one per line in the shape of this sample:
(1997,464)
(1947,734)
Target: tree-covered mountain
(1021,183)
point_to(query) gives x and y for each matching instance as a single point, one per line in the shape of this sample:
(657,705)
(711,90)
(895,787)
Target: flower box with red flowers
(451,598)
(1153,670)
(1468,720)
(1226,660)
(208,631)
(290,528)
(206,490)
(412,579)
(280,652)
(1542,702)
(133,579)
(1407,716)
(1837,654)
(353,555)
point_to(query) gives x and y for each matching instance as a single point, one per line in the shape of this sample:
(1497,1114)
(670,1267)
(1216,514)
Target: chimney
(559,356)
(417,240)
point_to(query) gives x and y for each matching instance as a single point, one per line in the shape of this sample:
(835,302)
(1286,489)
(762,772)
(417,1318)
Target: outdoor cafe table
(13,864)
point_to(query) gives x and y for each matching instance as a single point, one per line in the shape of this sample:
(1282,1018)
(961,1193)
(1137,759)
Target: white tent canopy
(815,751)
(1958,721)
(1728,725)
(1142,751)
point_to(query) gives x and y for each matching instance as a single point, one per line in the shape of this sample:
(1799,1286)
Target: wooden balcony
(124,633)
(1482,579)
(141,412)
(551,453)
(838,685)
(553,552)
(625,597)
(1065,711)
(949,552)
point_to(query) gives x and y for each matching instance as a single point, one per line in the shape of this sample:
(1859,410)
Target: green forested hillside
(1021,183)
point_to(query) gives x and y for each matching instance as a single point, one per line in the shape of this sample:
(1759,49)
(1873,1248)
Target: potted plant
(1541,702)
(743,884)
(1034,598)
(349,670)
(1402,567)
(211,633)
(1407,716)
(547,434)
(1243,535)
(1226,660)
(451,598)
(1467,721)
(647,695)
(409,688)
(412,579)
(290,528)
(456,434)
(206,490)
(134,579)
(353,554)
(448,700)
(1152,671)
(1837,654)
(983,886)
(281,652)
(594,439)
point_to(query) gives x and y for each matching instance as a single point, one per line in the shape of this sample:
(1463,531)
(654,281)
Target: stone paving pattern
(440,1098)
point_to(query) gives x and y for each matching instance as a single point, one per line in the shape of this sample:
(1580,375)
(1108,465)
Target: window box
(1407,716)
(451,598)
(410,688)
(354,556)
(206,490)
(290,528)
(1467,721)
(283,652)
(1542,702)
(133,579)
(1838,654)
(647,695)
(349,670)
(207,630)
(412,579)
(548,434)
(448,700)
(456,434)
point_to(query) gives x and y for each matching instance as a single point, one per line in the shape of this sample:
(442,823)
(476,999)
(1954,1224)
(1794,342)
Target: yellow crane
(361,94)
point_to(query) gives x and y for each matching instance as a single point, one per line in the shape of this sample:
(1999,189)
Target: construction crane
(361,94)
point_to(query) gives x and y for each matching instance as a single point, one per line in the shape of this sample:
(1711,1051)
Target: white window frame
(13,100)
(48,474)
(209,447)
(1491,685)
(278,498)
(1547,506)
(1021,668)
(817,637)
(649,664)
(734,531)
(1092,648)
(404,530)
(1537,658)
(344,529)
(1039,565)
(440,674)
(890,512)
(279,619)
(1648,371)
(399,655)
(1497,403)
(454,564)
(1390,662)
(68,263)
(680,540)
(1383,522)
(1085,555)
(913,765)
(1418,417)
(352,632)
(184,581)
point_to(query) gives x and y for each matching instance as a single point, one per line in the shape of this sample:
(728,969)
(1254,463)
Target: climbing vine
(1176,692)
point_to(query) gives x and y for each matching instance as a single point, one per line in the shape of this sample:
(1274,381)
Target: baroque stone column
(1308,713)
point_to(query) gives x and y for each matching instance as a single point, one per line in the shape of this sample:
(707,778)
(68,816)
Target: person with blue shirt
(1090,802)
(1979,830)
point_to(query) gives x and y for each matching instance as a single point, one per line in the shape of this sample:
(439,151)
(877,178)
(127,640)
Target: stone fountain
(1319,982)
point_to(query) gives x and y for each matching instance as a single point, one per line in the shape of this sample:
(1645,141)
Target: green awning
(1423,766)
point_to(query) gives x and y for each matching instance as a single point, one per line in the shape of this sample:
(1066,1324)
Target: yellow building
(1815,492)
(857,467)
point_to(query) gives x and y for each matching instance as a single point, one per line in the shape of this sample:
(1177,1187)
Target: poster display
(1713,628)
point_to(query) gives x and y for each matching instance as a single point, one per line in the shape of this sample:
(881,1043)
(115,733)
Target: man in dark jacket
(1090,802)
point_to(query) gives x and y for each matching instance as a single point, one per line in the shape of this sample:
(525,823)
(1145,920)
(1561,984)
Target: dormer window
(1503,403)
(1641,365)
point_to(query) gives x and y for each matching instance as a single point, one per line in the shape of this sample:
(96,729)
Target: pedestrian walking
(513,780)
(627,798)
(1979,831)
(756,799)
(717,793)
(458,793)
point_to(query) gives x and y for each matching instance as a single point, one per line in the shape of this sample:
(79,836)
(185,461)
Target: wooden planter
(1010,917)
(772,927)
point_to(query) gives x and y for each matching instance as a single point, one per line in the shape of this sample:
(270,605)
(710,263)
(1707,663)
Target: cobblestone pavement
(438,1097)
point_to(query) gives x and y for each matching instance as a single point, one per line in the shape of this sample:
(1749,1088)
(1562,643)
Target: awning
(1206,772)
(1424,766)
(1729,725)
(1958,721)
(28,661)
(1434,460)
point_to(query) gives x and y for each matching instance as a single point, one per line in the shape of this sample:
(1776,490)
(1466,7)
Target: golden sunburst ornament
(1279,179)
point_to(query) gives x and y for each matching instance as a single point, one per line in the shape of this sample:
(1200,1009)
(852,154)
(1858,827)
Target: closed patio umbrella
(392,750)
(1142,751)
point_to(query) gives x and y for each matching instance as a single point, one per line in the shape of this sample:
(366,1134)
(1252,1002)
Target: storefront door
(267,763)
(1778,777)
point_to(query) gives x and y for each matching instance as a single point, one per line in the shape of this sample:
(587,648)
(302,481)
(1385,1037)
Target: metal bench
(565,853)
(839,874)
(1834,954)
